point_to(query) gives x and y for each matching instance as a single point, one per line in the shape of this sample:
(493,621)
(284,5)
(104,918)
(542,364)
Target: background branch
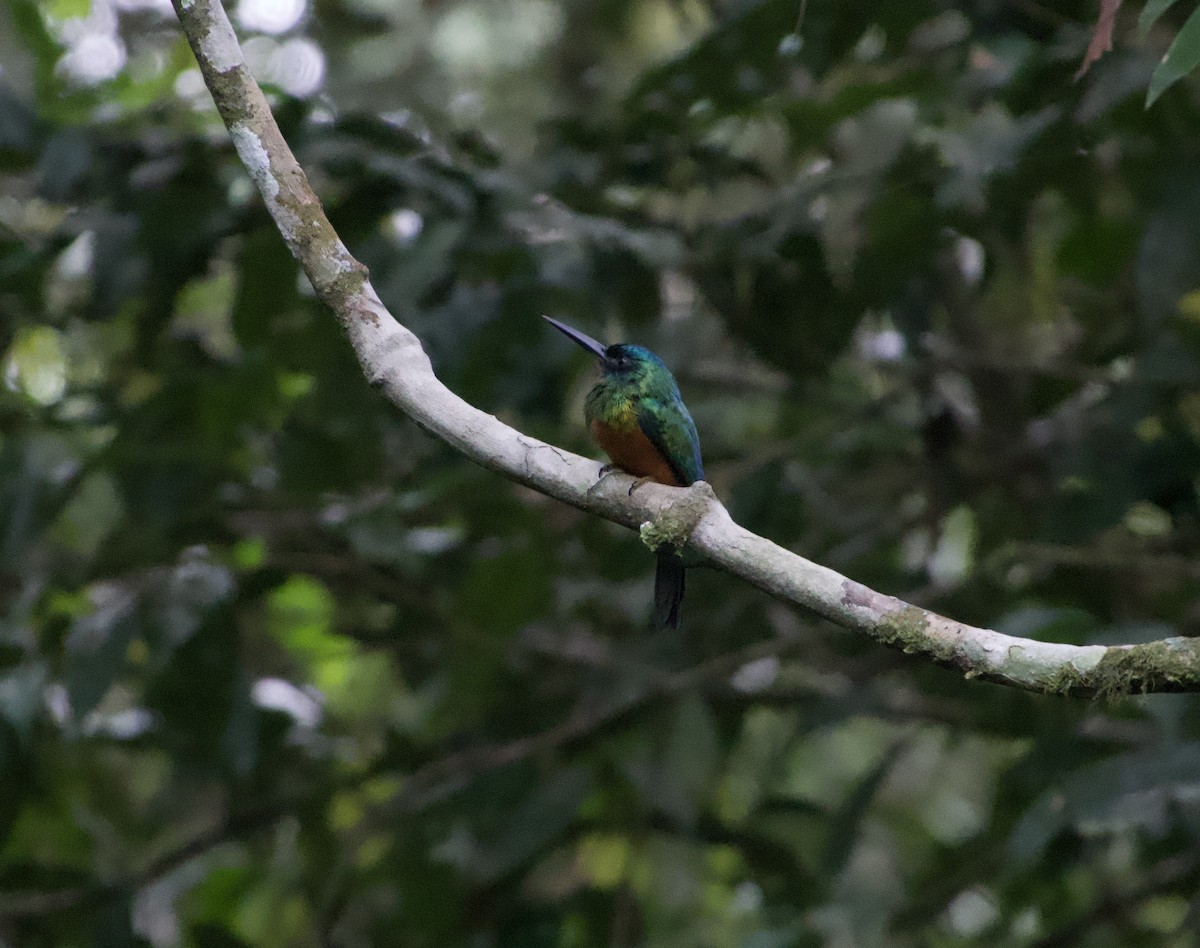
(441,777)
(19,905)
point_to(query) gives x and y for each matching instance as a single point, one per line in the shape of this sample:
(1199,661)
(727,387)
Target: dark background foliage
(277,668)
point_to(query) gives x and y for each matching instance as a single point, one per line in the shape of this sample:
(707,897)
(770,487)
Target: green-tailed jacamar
(637,416)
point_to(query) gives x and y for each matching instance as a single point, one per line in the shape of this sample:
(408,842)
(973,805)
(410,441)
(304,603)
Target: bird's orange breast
(630,450)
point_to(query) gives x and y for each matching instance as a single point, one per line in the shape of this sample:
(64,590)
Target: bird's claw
(605,471)
(638,483)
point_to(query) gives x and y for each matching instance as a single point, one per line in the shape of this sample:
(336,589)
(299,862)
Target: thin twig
(19,905)
(443,777)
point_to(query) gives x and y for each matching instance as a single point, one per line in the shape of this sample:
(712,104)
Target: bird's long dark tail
(668,590)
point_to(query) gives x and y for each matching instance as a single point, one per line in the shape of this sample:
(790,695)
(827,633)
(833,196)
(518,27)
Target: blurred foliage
(277,668)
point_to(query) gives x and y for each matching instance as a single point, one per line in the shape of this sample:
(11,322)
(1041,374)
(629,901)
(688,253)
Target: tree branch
(393,360)
(32,904)
(451,773)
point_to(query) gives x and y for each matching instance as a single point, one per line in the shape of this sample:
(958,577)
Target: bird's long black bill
(580,338)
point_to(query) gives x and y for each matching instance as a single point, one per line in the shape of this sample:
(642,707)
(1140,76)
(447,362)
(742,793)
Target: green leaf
(97,649)
(17,131)
(197,693)
(300,614)
(847,819)
(1150,14)
(37,365)
(30,26)
(690,761)
(21,693)
(1182,57)
(1142,790)
(545,814)
(90,515)
(68,9)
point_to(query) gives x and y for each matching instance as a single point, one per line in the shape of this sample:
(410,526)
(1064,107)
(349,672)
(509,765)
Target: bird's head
(618,361)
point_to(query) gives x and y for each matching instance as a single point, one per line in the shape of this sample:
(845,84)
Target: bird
(637,416)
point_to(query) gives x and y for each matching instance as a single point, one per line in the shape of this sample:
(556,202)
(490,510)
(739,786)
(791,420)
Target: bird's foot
(605,471)
(638,483)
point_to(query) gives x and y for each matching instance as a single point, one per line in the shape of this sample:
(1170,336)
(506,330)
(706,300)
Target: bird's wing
(669,426)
